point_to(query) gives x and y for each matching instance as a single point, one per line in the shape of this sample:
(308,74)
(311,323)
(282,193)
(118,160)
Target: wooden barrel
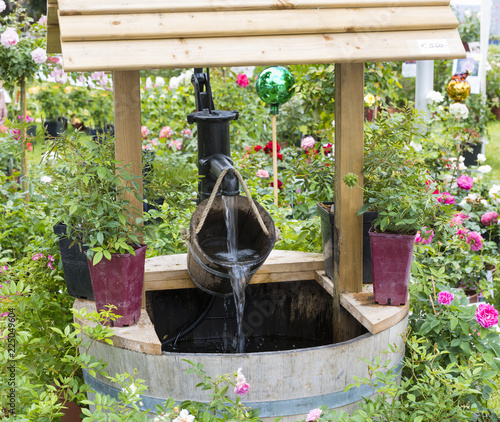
(208,271)
(283,384)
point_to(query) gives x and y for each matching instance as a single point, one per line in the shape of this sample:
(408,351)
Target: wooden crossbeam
(170,272)
(272,50)
(253,23)
(93,7)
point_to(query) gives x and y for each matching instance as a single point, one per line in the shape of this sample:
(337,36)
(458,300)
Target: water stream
(238,264)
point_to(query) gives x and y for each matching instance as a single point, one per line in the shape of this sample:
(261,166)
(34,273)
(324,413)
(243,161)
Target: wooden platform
(140,337)
(169,272)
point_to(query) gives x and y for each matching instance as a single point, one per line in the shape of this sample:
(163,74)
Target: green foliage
(396,183)
(88,193)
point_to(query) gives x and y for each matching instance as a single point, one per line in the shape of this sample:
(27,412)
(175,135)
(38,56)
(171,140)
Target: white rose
(481,158)
(434,97)
(484,169)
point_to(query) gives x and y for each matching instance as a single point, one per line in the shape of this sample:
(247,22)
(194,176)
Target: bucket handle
(214,193)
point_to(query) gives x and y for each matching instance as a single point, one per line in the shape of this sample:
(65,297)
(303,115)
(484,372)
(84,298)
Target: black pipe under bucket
(207,270)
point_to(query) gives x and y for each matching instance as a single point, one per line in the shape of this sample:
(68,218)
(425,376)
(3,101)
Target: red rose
(280,184)
(257,148)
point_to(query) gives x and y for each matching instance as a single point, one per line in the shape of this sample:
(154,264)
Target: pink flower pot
(119,282)
(391,263)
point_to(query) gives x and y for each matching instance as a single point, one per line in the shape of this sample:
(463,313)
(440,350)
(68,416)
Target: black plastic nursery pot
(119,282)
(470,157)
(327,234)
(55,128)
(75,267)
(391,263)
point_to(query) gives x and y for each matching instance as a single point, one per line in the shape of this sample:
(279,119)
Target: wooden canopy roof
(154,34)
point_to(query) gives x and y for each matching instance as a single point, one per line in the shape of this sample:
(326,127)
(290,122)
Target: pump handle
(202,90)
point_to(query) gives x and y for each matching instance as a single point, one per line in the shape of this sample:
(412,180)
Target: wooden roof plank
(262,50)
(92,7)
(253,23)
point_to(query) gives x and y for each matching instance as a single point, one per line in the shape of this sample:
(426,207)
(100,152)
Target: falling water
(238,269)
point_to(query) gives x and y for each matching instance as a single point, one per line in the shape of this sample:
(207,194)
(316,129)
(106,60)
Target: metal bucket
(207,271)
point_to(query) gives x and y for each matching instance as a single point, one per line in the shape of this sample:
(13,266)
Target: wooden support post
(348,238)
(128,146)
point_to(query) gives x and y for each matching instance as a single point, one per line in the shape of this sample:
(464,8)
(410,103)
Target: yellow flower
(369,99)
(68,89)
(34,90)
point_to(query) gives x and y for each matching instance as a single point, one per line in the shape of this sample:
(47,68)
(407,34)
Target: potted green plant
(87,193)
(53,104)
(100,114)
(397,188)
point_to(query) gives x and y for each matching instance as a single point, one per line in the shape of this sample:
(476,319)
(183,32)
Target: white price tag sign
(433,46)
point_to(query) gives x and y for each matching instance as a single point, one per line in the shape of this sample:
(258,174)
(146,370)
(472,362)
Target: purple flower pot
(391,263)
(119,282)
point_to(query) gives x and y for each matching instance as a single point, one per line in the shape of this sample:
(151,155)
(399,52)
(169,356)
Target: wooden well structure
(124,37)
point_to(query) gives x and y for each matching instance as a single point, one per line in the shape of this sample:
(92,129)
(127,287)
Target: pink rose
(3,6)
(313,415)
(37,256)
(307,143)
(486,315)
(39,55)
(490,217)
(462,231)
(262,173)
(242,80)
(165,132)
(9,37)
(154,142)
(475,240)
(458,219)
(465,182)
(175,144)
(445,298)
(59,75)
(426,239)
(241,388)
(42,20)
(147,147)
(186,132)
(144,132)
(447,198)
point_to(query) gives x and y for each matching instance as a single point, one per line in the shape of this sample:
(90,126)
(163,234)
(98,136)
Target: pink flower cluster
(490,217)
(446,198)
(445,297)
(263,174)
(144,132)
(465,182)
(40,255)
(175,144)
(166,132)
(486,315)
(458,219)
(426,238)
(242,386)
(307,143)
(242,80)
(313,415)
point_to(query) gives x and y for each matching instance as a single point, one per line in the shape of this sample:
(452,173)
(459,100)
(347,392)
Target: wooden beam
(169,272)
(79,7)
(52,17)
(128,146)
(349,120)
(375,318)
(252,23)
(348,227)
(261,50)
(53,39)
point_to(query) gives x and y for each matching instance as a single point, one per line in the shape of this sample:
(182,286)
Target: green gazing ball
(275,86)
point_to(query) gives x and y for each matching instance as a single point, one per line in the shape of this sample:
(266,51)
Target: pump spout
(217,163)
